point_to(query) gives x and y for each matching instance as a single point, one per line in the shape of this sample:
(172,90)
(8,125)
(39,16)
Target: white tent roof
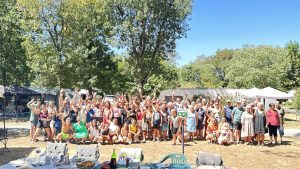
(251,93)
(271,93)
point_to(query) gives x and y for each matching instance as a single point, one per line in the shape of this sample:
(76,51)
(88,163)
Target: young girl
(113,131)
(107,113)
(104,133)
(33,118)
(117,114)
(94,132)
(66,131)
(52,113)
(211,132)
(174,125)
(156,123)
(149,122)
(123,137)
(144,125)
(139,118)
(134,132)
(165,116)
(43,123)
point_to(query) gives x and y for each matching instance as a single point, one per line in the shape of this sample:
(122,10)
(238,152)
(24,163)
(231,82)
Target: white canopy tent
(251,93)
(271,93)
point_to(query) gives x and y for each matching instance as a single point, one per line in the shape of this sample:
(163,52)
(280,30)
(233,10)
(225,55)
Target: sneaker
(153,140)
(129,142)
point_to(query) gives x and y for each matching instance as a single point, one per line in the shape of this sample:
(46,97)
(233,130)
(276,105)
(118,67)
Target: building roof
(19,90)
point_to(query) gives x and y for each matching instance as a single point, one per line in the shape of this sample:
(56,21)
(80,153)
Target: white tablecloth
(20,163)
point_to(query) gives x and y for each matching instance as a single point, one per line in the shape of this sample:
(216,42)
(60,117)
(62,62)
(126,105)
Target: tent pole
(182,136)
(4,127)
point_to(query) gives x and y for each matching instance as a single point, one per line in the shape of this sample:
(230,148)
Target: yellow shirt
(132,128)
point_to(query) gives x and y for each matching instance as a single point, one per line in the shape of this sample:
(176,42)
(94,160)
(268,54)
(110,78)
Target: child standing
(174,125)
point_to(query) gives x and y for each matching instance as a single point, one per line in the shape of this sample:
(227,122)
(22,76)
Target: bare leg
(36,133)
(48,133)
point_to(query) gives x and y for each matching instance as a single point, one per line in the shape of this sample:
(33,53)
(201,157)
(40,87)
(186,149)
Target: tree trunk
(3,77)
(140,89)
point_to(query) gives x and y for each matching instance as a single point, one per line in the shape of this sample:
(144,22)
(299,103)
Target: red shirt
(273,118)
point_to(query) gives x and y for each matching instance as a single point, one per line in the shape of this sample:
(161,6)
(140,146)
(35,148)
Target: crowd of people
(122,120)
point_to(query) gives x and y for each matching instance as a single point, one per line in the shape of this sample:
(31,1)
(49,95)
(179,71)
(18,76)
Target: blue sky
(219,24)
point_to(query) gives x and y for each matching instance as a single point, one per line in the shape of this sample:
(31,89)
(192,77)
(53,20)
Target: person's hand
(173,93)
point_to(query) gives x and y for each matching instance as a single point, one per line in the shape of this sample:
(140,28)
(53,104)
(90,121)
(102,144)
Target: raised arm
(29,103)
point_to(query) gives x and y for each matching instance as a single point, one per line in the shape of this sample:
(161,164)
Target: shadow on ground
(17,132)
(14,154)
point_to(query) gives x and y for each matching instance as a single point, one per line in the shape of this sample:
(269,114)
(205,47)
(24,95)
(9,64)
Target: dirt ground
(235,156)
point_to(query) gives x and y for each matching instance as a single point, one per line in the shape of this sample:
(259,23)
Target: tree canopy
(126,47)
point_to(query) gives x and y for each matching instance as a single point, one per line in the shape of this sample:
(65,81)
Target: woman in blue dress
(191,123)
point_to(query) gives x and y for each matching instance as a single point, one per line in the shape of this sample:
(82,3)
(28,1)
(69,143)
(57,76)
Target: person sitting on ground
(66,131)
(123,137)
(211,132)
(185,133)
(113,131)
(224,132)
(94,132)
(80,130)
(104,130)
(134,132)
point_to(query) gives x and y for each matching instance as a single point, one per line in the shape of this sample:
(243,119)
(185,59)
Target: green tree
(12,56)
(293,65)
(147,31)
(167,79)
(66,42)
(259,67)
(296,101)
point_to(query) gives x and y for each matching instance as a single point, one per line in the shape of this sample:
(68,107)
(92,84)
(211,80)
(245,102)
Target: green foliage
(296,102)
(12,56)
(293,65)
(199,76)
(148,31)
(166,79)
(66,43)
(259,67)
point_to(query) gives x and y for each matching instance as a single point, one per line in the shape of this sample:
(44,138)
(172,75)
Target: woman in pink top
(273,122)
(117,114)
(107,113)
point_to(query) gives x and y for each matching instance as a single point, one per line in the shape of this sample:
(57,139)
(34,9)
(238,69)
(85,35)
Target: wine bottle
(113,160)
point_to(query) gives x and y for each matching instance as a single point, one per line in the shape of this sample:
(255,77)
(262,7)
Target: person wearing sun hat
(236,120)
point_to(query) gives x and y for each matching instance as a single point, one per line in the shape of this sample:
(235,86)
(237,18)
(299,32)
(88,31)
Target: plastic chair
(176,159)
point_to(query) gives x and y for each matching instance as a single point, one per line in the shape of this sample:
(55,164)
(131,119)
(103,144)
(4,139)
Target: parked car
(109,98)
